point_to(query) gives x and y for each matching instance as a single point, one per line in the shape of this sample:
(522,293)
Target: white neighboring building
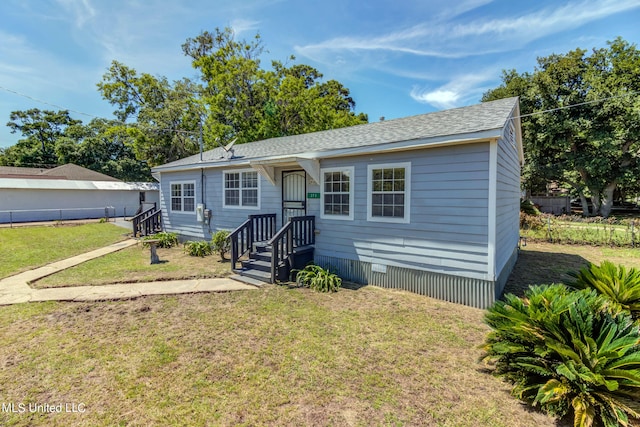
(69,192)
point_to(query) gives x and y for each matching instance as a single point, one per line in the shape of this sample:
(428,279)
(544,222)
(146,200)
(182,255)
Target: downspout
(492,210)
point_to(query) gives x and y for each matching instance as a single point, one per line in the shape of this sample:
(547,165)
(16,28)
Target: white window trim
(240,171)
(351,171)
(195,199)
(407,192)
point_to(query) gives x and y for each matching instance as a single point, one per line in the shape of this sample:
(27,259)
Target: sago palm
(619,284)
(567,351)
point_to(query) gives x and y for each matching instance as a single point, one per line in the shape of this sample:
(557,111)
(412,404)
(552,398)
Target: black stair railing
(257,228)
(298,231)
(147,222)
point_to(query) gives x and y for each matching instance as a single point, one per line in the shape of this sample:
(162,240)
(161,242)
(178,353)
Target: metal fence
(16,216)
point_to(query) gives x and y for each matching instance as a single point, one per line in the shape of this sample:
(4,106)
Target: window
(183,196)
(337,193)
(388,192)
(241,189)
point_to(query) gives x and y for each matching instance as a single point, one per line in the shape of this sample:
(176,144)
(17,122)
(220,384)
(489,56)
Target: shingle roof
(455,122)
(78,173)
(68,172)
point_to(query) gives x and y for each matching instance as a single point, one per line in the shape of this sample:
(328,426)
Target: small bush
(199,248)
(531,222)
(618,284)
(318,279)
(221,244)
(166,240)
(529,208)
(567,351)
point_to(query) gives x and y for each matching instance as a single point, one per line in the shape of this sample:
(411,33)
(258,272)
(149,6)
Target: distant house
(428,203)
(68,192)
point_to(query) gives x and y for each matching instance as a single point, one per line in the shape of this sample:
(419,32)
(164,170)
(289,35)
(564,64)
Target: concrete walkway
(16,289)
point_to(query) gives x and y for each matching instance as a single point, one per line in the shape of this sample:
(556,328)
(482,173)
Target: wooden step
(257,264)
(262,276)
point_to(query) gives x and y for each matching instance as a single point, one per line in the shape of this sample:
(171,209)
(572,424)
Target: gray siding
(448,228)
(184,224)
(507,202)
(209,190)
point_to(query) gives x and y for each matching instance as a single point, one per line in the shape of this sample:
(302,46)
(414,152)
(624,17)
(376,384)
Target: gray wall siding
(448,228)
(211,185)
(184,224)
(507,201)
(230,218)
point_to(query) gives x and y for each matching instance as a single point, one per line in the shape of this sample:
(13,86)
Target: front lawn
(132,265)
(277,356)
(274,357)
(29,247)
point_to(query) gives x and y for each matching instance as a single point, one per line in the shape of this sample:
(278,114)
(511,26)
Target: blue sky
(398,57)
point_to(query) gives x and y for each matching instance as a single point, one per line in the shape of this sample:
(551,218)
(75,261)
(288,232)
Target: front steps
(258,266)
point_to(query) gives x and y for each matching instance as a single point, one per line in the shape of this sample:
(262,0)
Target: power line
(47,103)
(87,114)
(577,105)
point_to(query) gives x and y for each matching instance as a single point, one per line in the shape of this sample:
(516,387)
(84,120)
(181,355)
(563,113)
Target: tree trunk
(585,205)
(607,205)
(595,202)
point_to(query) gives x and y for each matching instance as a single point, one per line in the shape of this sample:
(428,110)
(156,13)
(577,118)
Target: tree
(247,103)
(40,129)
(107,147)
(164,117)
(580,124)
(102,145)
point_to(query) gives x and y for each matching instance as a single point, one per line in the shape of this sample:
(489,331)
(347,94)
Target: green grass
(132,265)
(28,247)
(272,357)
(276,356)
(589,231)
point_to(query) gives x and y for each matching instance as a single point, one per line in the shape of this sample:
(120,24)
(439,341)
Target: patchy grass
(28,247)
(273,357)
(132,265)
(540,263)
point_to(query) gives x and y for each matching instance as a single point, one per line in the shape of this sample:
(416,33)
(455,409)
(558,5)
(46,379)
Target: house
(428,203)
(68,192)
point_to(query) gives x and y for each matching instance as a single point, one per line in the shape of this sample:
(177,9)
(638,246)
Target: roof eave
(439,141)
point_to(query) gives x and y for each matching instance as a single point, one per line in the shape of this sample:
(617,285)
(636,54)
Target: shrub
(221,244)
(198,248)
(567,350)
(318,279)
(166,240)
(528,207)
(531,222)
(618,284)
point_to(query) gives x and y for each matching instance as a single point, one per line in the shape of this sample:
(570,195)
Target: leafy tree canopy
(247,102)
(40,130)
(160,121)
(580,124)
(53,138)
(163,116)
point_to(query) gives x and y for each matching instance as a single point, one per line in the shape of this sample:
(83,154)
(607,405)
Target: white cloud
(446,38)
(243,25)
(440,98)
(456,92)
(81,10)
